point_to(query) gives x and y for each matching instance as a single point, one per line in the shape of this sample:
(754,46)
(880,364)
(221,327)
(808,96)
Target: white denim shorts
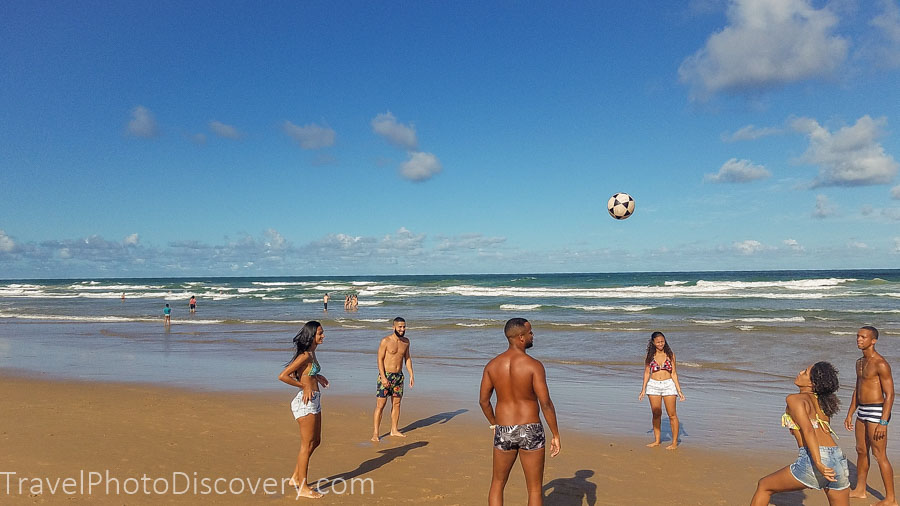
(312,407)
(664,387)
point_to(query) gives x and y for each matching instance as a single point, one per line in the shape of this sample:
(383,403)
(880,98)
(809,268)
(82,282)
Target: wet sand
(52,429)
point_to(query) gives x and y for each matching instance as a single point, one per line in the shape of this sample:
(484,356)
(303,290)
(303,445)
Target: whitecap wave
(519,307)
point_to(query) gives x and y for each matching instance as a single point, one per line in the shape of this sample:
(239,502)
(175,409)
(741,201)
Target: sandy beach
(183,441)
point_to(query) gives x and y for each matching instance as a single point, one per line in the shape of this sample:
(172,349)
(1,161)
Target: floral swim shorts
(394,388)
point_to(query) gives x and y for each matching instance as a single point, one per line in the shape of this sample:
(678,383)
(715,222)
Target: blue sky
(328,138)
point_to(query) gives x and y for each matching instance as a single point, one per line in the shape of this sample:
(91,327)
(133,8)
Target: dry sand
(52,429)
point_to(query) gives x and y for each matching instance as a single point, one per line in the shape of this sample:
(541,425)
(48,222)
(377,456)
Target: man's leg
(879,451)
(503,462)
(380,402)
(533,466)
(395,416)
(862,459)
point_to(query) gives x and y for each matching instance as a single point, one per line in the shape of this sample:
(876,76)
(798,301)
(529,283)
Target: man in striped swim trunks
(872,401)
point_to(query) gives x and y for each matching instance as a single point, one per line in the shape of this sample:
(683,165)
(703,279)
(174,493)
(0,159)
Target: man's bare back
(512,375)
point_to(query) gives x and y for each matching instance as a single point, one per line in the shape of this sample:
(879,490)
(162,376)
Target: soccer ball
(620,206)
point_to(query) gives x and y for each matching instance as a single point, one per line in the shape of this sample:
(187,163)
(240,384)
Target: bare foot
(375,438)
(858,494)
(651,445)
(673,446)
(397,433)
(308,493)
(885,502)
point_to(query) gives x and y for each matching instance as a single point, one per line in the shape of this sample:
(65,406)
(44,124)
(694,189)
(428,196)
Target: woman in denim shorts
(661,386)
(821,463)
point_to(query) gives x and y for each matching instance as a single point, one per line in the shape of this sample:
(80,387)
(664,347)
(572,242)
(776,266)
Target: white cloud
(849,157)
(142,123)
(274,240)
(887,22)
(767,43)
(468,241)
(793,244)
(6,243)
(749,247)
(824,207)
(895,192)
(420,166)
(400,135)
(199,138)
(857,245)
(310,136)
(896,244)
(223,130)
(131,240)
(738,171)
(750,133)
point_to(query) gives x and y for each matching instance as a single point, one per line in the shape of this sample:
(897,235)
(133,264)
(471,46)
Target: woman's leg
(838,497)
(656,409)
(307,437)
(673,420)
(780,481)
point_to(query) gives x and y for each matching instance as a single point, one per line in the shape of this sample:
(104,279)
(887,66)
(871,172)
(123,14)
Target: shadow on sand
(571,491)
(372,464)
(431,420)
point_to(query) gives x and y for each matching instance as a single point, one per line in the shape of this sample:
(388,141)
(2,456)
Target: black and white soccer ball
(620,206)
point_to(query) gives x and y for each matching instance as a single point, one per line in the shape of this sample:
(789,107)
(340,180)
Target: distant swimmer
(325,301)
(873,399)
(820,464)
(193,304)
(392,352)
(661,384)
(522,394)
(167,313)
(123,296)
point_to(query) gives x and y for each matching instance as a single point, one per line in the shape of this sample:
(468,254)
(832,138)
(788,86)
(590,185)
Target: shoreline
(131,430)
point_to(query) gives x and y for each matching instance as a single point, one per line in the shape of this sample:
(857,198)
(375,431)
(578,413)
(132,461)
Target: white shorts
(314,406)
(664,387)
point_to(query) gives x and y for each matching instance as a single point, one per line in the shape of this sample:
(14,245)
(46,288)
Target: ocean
(739,337)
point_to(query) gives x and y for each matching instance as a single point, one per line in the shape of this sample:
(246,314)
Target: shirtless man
(872,400)
(325,301)
(521,385)
(392,352)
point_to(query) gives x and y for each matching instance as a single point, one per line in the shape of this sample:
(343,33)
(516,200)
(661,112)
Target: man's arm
(408,358)
(539,384)
(382,351)
(848,422)
(887,389)
(484,397)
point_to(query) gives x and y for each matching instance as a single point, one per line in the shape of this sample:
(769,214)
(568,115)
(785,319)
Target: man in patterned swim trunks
(392,352)
(521,385)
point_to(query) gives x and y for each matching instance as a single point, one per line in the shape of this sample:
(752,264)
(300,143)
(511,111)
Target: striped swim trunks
(869,412)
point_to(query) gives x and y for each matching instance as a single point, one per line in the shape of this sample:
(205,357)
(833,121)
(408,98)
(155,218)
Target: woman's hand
(641,397)
(307,394)
(827,472)
(680,395)
(322,380)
